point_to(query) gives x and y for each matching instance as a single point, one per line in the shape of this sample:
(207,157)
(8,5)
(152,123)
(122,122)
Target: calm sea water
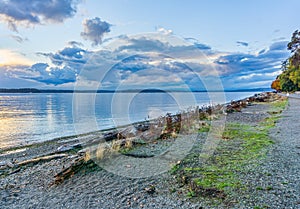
(29,118)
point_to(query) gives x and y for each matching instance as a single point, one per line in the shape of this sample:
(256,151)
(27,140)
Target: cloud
(43,73)
(68,55)
(19,38)
(72,56)
(32,12)
(155,43)
(279,39)
(75,44)
(258,75)
(242,43)
(278,46)
(154,70)
(94,30)
(256,70)
(64,67)
(197,44)
(265,59)
(10,77)
(137,69)
(276,31)
(153,59)
(164,31)
(155,62)
(37,74)
(143,44)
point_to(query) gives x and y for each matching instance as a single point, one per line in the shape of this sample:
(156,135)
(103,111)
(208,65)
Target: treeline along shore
(34,90)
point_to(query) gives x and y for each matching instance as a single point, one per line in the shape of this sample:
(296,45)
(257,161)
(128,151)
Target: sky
(138,44)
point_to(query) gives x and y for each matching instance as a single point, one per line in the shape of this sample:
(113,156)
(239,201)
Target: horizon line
(152,90)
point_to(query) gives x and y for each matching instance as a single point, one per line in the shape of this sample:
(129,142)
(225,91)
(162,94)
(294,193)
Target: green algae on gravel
(241,147)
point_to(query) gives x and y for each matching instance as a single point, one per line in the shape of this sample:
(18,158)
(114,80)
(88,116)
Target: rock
(149,136)
(2,163)
(64,148)
(110,136)
(10,164)
(151,189)
(6,164)
(129,132)
(142,126)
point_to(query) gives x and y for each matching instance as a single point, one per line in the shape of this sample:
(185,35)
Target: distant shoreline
(33,90)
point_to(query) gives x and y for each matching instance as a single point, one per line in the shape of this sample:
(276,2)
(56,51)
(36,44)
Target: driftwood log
(9,168)
(41,159)
(78,165)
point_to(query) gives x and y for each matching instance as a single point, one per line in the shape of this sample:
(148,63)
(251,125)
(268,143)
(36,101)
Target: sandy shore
(271,181)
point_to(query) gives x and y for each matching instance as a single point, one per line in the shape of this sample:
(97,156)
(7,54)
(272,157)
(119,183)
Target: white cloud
(164,31)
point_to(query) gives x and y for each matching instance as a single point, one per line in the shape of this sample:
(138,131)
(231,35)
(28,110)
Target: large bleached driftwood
(41,159)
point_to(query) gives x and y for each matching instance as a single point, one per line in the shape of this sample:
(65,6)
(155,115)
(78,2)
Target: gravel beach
(274,181)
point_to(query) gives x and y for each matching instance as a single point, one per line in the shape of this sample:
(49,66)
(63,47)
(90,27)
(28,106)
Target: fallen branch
(138,155)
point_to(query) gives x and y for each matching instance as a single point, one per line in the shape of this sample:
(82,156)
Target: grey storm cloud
(32,12)
(94,30)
